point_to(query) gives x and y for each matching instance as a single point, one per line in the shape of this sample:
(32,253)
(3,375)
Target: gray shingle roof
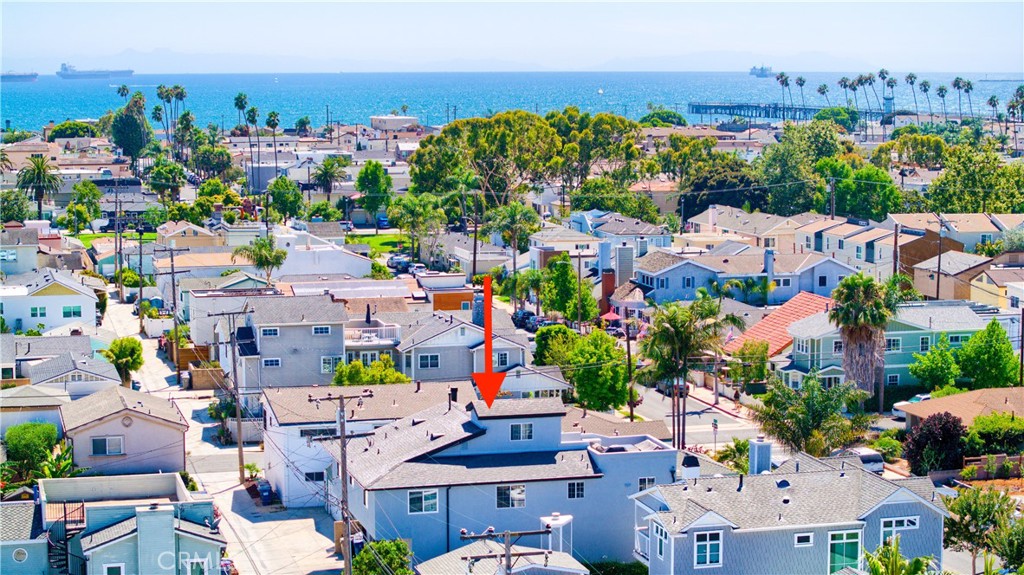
(19,521)
(561,234)
(489,469)
(119,530)
(201,531)
(448,241)
(49,346)
(310,309)
(32,396)
(452,564)
(7,348)
(542,407)
(953,263)
(816,325)
(13,237)
(941,316)
(577,420)
(419,326)
(656,260)
(620,225)
(48,369)
(48,276)
(115,399)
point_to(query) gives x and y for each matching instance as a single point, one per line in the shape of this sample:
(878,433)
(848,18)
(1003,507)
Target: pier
(731,109)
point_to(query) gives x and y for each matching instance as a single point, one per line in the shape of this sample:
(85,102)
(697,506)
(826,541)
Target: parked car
(615,331)
(416,269)
(546,323)
(520,317)
(869,458)
(898,413)
(530,324)
(397,259)
(346,225)
(382,222)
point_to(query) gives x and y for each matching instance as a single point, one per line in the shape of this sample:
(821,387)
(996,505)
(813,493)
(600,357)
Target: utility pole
(117,243)
(174,304)
(234,381)
(1020,350)
(938,267)
(896,251)
(346,549)
(505,557)
(140,278)
(579,291)
(629,367)
(832,197)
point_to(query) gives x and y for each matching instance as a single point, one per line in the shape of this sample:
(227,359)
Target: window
(72,311)
(270,332)
(8,256)
(707,550)
(803,540)
(511,496)
(828,243)
(926,343)
(842,244)
(800,345)
(197,566)
(321,330)
(465,306)
(662,283)
(113,569)
(502,359)
(20,555)
(822,281)
(688,282)
(986,238)
(432,361)
(75,377)
(784,282)
(892,379)
(329,363)
(843,550)
(837,347)
(317,432)
(660,538)
(892,527)
(575,490)
(1014,302)
(315,476)
(893,344)
(424,501)
(769,242)
(830,381)
(958,339)
(521,431)
(645,483)
(272,362)
(108,446)
(462,332)
(860,252)
(807,242)
(38,312)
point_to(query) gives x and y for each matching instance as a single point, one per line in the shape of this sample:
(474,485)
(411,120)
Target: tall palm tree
(958,85)
(968,88)
(179,94)
(186,123)
(800,81)
(783,79)
(513,221)
(844,83)
(911,79)
(891,83)
(263,254)
(869,79)
(854,86)
(326,174)
(122,91)
(241,103)
(993,102)
(863,308)
(273,121)
(887,560)
(5,162)
(823,91)
(883,75)
(925,86)
(158,115)
(941,92)
(252,116)
(39,176)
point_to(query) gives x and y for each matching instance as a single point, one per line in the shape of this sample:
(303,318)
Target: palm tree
(513,221)
(326,174)
(533,281)
(185,124)
(887,560)
(958,85)
(869,79)
(39,176)
(58,464)
(158,115)
(993,102)
(863,308)
(883,75)
(735,454)
(968,88)
(800,81)
(823,91)
(854,86)
(891,83)
(122,91)
(5,162)
(273,121)
(941,92)
(252,116)
(241,103)
(263,254)
(911,79)
(925,86)
(179,94)
(125,354)
(844,83)
(783,81)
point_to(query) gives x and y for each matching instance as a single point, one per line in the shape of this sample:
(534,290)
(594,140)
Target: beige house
(120,431)
(767,230)
(186,235)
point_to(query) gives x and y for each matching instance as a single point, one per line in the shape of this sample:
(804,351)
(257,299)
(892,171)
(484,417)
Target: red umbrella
(611,316)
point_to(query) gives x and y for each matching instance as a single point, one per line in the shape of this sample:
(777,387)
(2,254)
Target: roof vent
(417,421)
(785,500)
(782,484)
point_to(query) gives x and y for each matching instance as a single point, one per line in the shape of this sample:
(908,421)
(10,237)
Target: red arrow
(488,382)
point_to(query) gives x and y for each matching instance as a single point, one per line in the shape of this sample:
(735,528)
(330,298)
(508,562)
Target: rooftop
(545,407)
(300,309)
(19,521)
(969,405)
(115,400)
(953,263)
(971,223)
(67,362)
(32,396)
(453,562)
(774,329)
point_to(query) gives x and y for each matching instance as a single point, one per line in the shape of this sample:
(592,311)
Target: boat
(761,71)
(69,72)
(18,77)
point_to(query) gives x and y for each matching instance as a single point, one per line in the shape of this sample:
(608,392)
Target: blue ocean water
(355,97)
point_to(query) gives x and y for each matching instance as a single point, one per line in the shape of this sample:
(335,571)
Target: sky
(383,36)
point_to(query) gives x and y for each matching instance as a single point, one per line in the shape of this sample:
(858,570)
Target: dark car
(382,222)
(522,316)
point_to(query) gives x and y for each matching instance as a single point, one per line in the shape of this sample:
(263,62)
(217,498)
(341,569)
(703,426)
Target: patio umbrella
(611,316)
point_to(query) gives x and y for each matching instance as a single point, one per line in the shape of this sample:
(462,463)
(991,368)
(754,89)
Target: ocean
(435,97)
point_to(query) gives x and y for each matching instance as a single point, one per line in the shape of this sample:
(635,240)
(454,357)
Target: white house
(49,297)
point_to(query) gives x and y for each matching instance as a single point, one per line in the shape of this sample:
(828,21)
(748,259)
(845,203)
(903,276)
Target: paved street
(699,417)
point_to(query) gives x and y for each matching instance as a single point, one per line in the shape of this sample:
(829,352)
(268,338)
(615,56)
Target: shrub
(990,466)
(935,444)
(969,473)
(999,433)
(947,390)
(1006,468)
(30,442)
(890,448)
(616,568)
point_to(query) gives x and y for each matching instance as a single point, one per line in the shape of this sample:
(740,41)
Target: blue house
(23,549)
(809,516)
(425,477)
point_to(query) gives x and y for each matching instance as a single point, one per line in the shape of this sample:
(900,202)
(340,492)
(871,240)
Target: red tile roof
(774,328)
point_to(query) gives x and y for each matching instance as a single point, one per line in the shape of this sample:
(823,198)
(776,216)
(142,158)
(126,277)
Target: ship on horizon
(761,71)
(18,77)
(69,72)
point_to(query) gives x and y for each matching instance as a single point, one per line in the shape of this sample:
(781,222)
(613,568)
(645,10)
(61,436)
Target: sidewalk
(726,406)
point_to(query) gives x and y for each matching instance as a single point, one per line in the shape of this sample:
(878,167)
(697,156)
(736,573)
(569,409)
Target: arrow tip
(489,384)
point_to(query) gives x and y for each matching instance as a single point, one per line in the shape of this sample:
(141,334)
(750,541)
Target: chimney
(604,255)
(607,289)
(760,456)
(769,264)
(478,309)
(712,216)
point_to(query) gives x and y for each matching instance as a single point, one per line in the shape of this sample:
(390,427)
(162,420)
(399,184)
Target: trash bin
(264,488)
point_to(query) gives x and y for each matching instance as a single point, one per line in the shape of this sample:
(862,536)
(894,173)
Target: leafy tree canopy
(15,206)
(599,371)
(846,118)
(30,442)
(937,368)
(659,116)
(988,358)
(604,194)
(554,344)
(936,443)
(71,129)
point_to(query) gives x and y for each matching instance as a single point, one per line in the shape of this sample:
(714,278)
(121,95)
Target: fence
(997,466)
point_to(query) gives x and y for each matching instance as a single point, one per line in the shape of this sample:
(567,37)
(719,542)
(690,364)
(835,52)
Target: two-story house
(448,250)
(618,229)
(767,230)
(949,275)
(466,466)
(184,234)
(818,346)
(810,516)
(555,240)
(19,249)
(49,298)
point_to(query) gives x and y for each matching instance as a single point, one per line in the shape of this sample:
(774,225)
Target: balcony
(642,545)
(373,336)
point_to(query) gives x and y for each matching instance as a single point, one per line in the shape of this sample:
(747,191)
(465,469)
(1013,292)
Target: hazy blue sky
(431,36)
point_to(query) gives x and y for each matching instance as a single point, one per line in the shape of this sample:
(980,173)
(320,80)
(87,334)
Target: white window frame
(800,345)
(428,356)
(512,501)
(842,244)
(661,537)
(197,561)
(314,474)
(894,529)
(837,347)
(106,445)
(784,282)
(525,432)
(270,332)
(424,495)
(926,344)
(860,547)
(892,379)
(503,359)
(38,311)
(323,330)
(271,359)
(958,339)
(769,242)
(662,283)
(809,543)
(707,543)
(335,361)
(119,566)
(859,252)
(986,239)
(576,490)
(807,242)
(70,311)
(645,483)
(897,348)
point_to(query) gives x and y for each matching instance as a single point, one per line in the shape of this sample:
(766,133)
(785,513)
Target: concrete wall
(150,446)
(11,416)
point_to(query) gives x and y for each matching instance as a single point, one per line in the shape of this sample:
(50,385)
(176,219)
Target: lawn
(87,239)
(382,243)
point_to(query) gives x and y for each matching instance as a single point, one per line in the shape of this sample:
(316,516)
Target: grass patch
(383,243)
(503,298)
(87,239)
(636,416)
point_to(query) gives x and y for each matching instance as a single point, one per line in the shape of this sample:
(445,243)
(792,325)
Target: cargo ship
(761,71)
(69,72)
(18,77)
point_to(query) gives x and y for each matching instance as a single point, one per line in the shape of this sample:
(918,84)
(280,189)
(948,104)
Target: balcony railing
(642,546)
(391,333)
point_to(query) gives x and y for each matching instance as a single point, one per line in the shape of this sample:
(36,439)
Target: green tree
(59,463)
(125,354)
(751,362)
(988,358)
(212,160)
(661,117)
(71,129)
(86,194)
(286,199)
(263,254)
(384,557)
(374,183)
(598,372)
(167,177)
(75,219)
(873,195)
(887,560)
(379,271)
(155,215)
(40,177)
(554,345)
(604,194)
(302,126)
(735,454)
(809,419)
(14,136)
(14,206)
(847,118)
(559,285)
(582,306)
(30,443)
(130,129)
(786,168)
(383,371)
(1007,542)
(937,368)
(327,173)
(975,514)
(273,121)
(514,222)
(603,142)
(935,443)
(421,216)
(971,182)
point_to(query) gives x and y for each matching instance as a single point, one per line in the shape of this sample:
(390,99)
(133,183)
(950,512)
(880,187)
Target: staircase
(68,520)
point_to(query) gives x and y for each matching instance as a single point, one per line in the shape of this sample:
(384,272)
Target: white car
(417,269)
(898,413)
(869,458)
